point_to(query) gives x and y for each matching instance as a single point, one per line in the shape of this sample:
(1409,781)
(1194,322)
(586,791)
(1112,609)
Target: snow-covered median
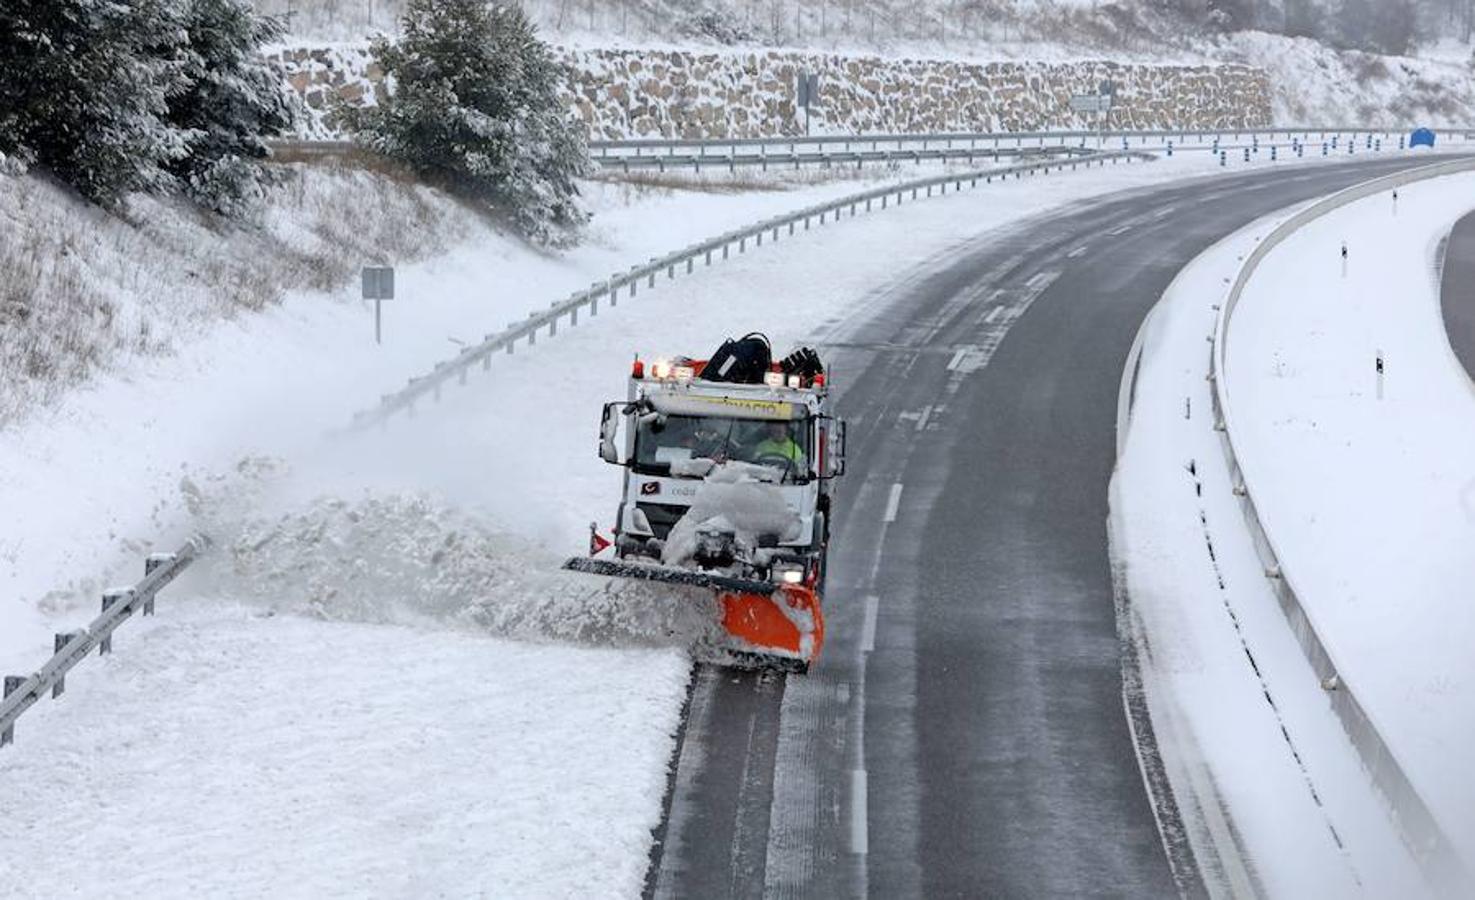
(1274,796)
(1365,483)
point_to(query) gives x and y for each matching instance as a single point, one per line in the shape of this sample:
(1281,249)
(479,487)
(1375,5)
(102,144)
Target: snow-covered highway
(964,728)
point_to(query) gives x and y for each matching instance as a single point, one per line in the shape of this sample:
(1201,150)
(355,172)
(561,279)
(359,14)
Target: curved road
(964,734)
(1457,291)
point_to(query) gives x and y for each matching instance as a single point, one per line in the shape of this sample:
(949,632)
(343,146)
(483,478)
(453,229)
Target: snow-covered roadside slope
(448,525)
(221,753)
(1366,496)
(1222,672)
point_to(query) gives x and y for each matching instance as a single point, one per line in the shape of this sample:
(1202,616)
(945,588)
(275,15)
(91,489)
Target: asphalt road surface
(1457,291)
(964,734)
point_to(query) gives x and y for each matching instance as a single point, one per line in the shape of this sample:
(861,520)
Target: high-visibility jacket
(786,447)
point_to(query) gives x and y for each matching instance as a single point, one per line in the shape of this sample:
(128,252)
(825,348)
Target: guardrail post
(709,257)
(726,248)
(109,600)
(12,684)
(57,643)
(742,245)
(150,563)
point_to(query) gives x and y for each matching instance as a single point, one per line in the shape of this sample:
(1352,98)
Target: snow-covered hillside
(87,289)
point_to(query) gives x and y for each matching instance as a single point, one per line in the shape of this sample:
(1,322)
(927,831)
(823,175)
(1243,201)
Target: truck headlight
(788,573)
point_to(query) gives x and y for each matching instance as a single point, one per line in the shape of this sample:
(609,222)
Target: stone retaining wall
(675,93)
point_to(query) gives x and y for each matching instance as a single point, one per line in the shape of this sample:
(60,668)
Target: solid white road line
(994,314)
(893,503)
(859,829)
(957,358)
(868,630)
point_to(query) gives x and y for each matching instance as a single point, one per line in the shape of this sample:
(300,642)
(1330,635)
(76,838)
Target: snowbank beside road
(1364,483)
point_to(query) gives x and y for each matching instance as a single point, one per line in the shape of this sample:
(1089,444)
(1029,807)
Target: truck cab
(682,439)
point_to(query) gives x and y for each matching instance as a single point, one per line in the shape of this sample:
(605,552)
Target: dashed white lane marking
(957,359)
(868,630)
(1165,212)
(922,419)
(1120,230)
(1042,279)
(993,315)
(893,503)
(859,830)
(1077,252)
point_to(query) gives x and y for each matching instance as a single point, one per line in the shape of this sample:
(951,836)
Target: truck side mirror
(832,453)
(837,449)
(609,430)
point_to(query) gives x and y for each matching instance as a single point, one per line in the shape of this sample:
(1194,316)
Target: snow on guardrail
(118,606)
(671,154)
(1419,828)
(867,201)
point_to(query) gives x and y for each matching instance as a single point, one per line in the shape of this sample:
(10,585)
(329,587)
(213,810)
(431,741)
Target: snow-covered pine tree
(231,100)
(475,106)
(81,95)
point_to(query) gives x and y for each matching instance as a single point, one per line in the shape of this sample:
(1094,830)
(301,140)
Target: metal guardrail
(724,244)
(118,605)
(982,140)
(1417,825)
(765,160)
(665,155)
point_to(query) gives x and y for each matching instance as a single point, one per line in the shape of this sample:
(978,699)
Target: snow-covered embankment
(1363,480)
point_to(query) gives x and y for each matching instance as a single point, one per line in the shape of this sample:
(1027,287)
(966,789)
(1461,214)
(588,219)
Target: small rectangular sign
(1090,103)
(378,282)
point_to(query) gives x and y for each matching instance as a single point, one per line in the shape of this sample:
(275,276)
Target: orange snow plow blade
(765,622)
(787,623)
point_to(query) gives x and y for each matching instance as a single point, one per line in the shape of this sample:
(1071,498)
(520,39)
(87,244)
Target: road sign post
(806,90)
(378,286)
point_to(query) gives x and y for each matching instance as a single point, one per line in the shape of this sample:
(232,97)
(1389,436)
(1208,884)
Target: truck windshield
(663,441)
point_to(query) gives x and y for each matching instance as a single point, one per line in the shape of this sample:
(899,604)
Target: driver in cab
(778,443)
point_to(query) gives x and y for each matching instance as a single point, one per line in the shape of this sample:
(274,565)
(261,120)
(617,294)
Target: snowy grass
(87,289)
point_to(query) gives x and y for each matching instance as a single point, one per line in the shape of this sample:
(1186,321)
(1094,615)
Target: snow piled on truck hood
(733,498)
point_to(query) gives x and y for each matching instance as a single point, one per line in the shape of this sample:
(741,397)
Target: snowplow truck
(729,464)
